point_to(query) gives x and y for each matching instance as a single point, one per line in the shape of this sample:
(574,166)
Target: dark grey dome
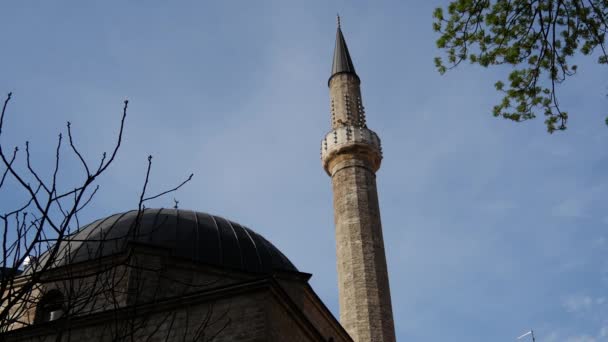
(187,234)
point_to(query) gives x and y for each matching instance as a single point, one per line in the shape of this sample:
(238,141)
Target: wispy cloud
(581,338)
(578,303)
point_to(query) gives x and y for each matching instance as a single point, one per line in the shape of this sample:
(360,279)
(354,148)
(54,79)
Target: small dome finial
(338,16)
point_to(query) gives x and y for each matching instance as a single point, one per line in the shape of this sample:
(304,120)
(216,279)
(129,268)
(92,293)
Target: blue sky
(491,227)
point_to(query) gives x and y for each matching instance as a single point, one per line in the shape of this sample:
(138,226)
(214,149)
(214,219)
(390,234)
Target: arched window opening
(50,308)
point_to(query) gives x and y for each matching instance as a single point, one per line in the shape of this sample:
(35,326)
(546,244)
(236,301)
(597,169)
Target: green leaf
(438,13)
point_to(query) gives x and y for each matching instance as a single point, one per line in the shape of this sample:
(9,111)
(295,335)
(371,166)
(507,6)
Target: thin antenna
(531,332)
(338,15)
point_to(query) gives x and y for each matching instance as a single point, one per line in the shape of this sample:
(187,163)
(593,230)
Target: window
(50,307)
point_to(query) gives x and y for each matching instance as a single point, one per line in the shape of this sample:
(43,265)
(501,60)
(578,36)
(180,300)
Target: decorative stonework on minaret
(351,155)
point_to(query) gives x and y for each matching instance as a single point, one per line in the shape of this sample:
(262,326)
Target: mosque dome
(187,234)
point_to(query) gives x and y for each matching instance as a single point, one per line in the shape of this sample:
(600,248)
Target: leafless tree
(126,291)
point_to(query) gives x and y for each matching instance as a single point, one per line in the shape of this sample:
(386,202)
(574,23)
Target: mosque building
(182,275)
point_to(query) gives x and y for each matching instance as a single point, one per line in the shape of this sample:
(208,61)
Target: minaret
(351,155)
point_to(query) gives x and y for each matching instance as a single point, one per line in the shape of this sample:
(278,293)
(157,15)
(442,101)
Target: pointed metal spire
(342,62)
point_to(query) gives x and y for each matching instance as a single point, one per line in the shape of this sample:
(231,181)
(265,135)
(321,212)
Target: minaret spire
(342,62)
(351,154)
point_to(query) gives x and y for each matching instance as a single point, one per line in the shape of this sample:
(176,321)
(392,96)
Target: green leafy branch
(536,37)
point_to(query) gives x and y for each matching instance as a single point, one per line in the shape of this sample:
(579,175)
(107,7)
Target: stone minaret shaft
(351,155)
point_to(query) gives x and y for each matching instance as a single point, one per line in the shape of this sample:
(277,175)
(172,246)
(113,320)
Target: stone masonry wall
(245,316)
(345,101)
(365,301)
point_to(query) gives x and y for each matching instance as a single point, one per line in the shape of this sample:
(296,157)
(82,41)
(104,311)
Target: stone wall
(240,318)
(162,298)
(365,302)
(315,311)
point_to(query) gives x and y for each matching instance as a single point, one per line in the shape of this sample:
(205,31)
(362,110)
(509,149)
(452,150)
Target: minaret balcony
(357,140)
